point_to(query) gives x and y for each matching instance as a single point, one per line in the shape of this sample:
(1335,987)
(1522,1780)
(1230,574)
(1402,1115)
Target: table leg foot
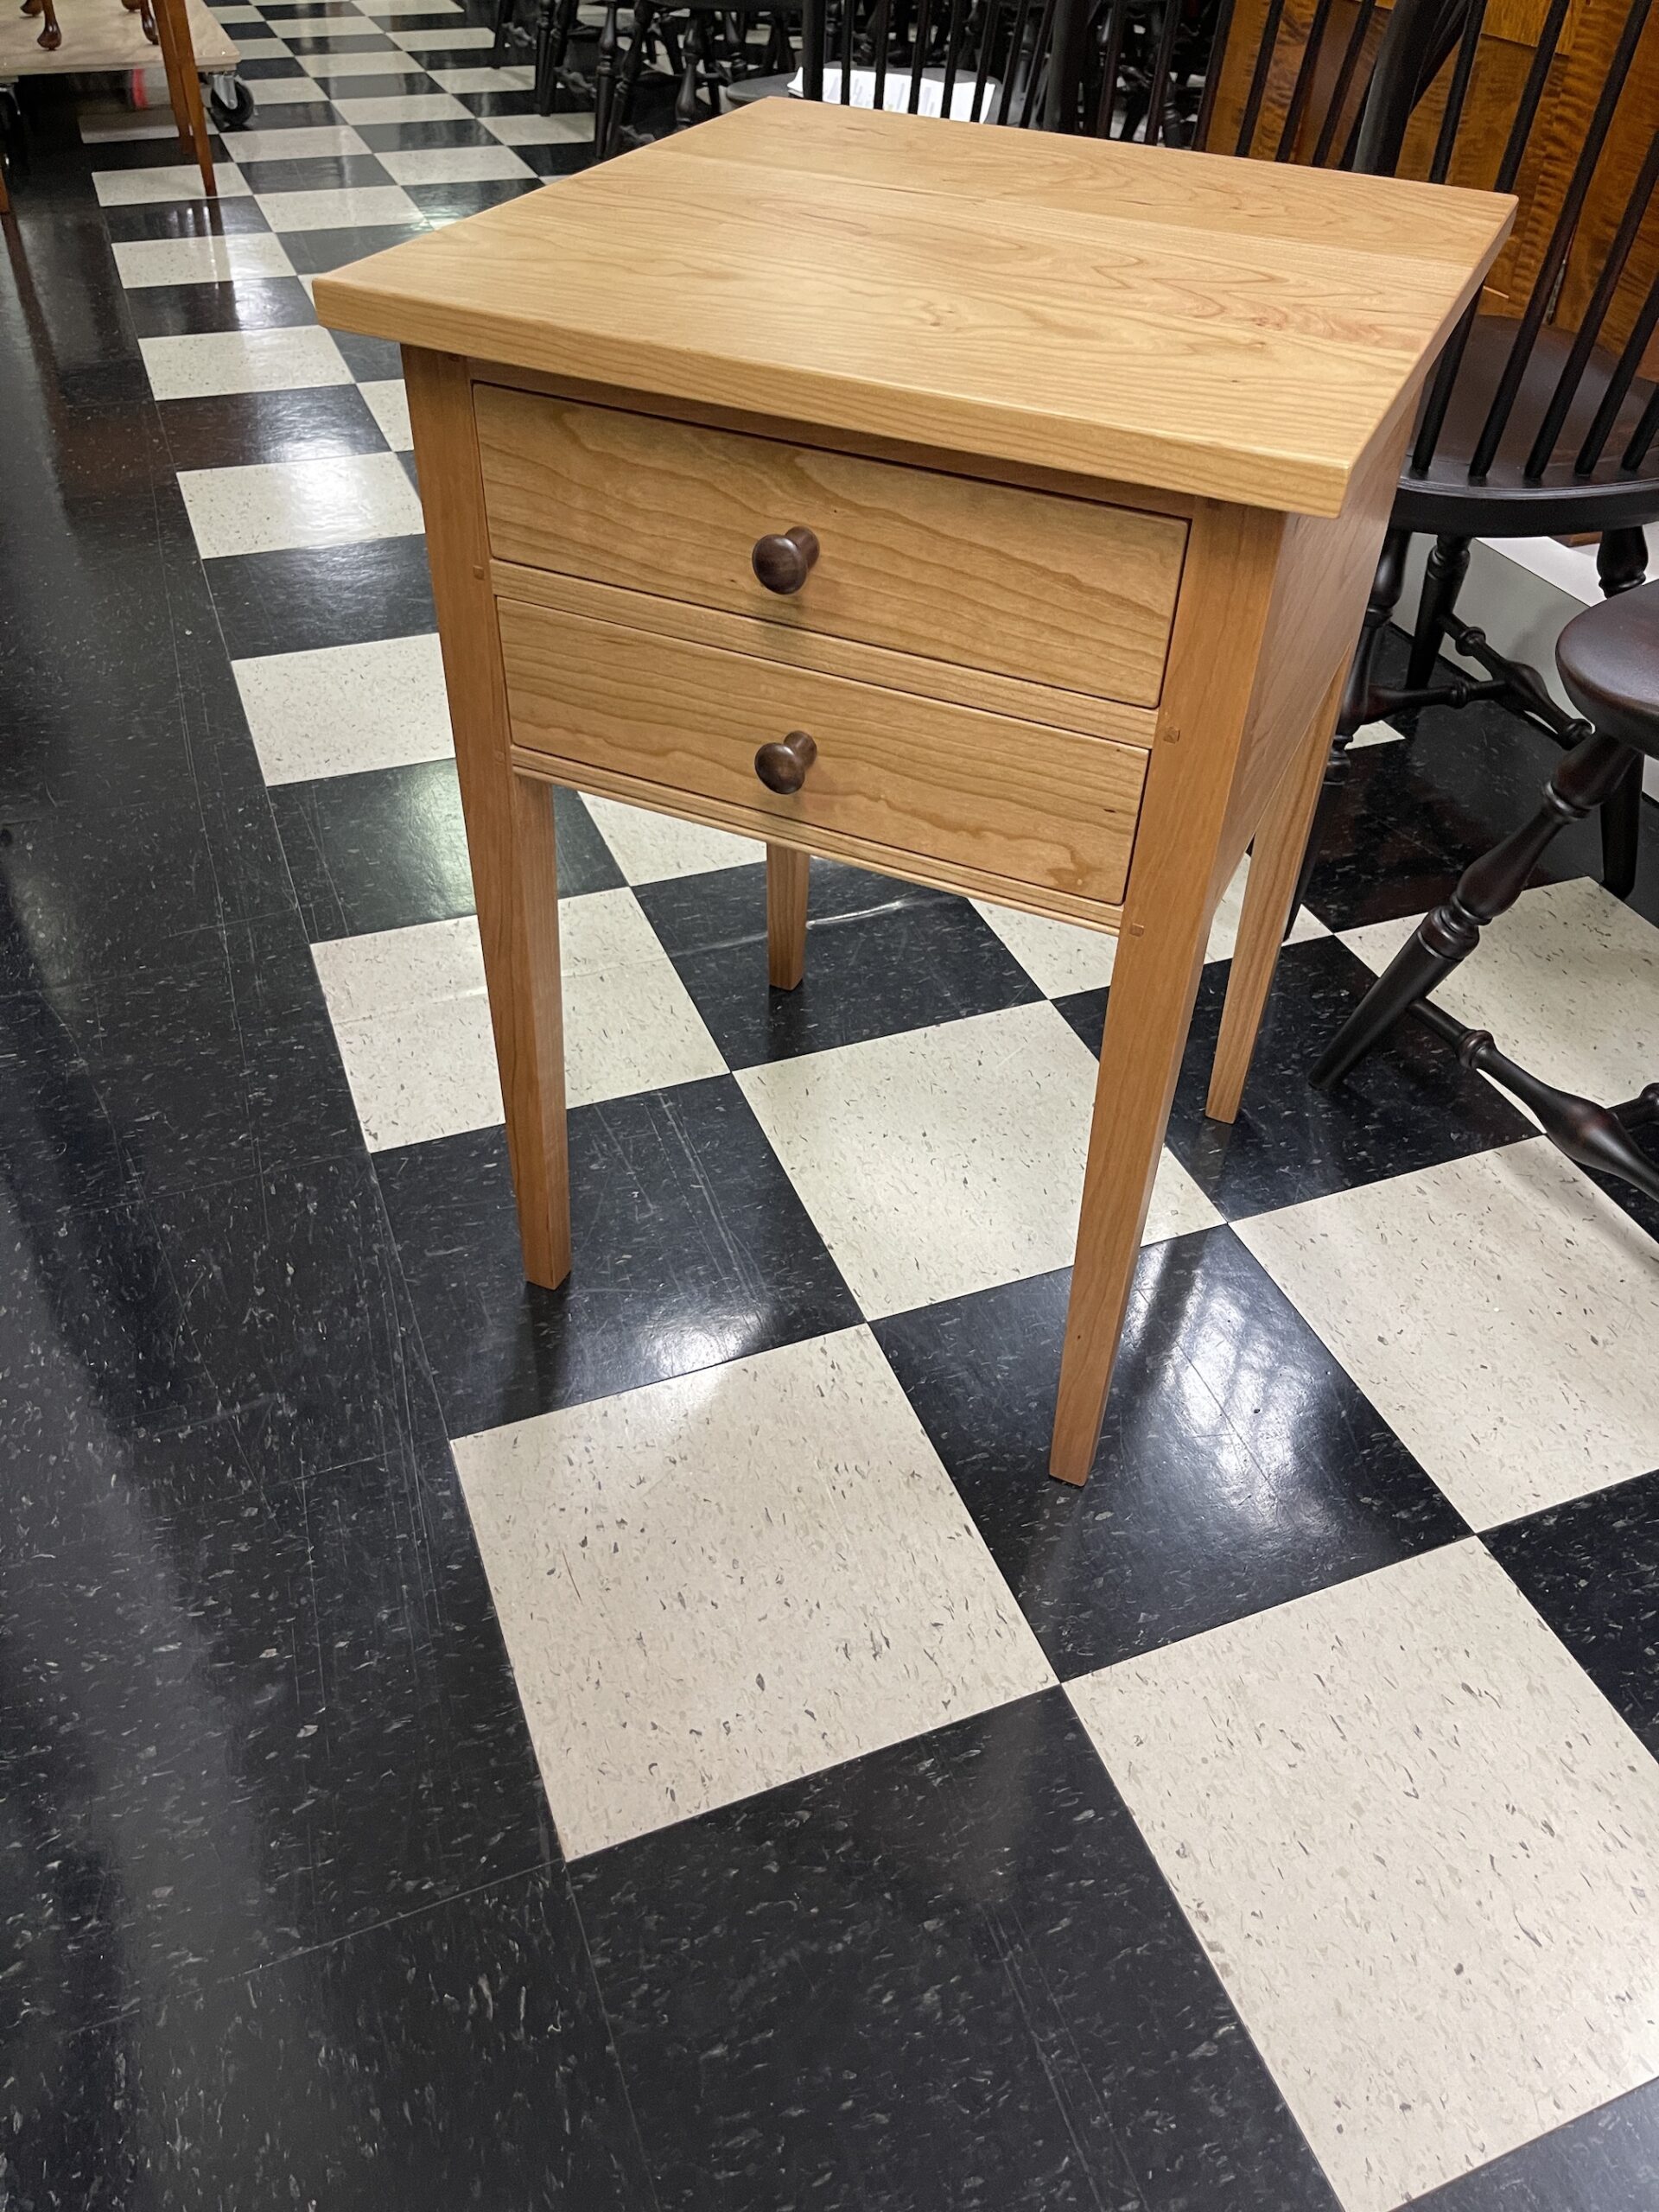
(786,879)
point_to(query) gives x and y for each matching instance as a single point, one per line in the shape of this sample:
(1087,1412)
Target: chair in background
(987,61)
(1538,421)
(1608,658)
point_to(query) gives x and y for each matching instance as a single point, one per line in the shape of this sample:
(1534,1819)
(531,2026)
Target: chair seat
(1609,659)
(1506,503)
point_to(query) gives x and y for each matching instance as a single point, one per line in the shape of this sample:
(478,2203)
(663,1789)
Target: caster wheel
(230,103)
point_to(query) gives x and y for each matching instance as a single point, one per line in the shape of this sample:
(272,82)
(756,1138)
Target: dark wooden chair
(1608,657)
(1528,427)
(988,60)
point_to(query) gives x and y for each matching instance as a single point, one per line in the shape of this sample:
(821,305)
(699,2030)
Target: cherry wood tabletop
(1176,321)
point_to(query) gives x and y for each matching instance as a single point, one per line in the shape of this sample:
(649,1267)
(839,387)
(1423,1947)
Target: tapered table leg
(1275,862)
(533,1078)
(786,877)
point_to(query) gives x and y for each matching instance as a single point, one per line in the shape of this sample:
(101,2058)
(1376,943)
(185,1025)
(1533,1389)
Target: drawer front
(981,792)
(1058,591)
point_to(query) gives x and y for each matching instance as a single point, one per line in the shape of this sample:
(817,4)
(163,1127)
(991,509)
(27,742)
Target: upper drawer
(1060,591)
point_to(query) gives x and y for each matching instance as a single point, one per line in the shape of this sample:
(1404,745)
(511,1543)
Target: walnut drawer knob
(783,765)
(783,560)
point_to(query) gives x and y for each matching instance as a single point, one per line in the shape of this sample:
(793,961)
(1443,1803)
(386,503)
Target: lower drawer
(983,793)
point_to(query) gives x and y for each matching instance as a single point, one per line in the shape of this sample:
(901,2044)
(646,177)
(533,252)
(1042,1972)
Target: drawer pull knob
(783,560)
(783,765)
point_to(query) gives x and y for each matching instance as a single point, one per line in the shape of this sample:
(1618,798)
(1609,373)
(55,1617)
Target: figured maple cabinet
(1001,518)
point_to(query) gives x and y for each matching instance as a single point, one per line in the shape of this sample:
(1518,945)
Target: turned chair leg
(605,83)
(1448,566)
(1356,711)
(1621,565)
(627,82)
(1585,777)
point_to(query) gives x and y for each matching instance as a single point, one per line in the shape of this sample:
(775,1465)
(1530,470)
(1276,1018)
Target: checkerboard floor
(665,1743)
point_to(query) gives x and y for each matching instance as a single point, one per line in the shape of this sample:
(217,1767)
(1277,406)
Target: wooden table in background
(1097,444)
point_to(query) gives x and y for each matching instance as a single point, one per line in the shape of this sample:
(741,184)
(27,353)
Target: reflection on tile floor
(732,1773)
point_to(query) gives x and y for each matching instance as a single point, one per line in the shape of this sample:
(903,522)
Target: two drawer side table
(991,509)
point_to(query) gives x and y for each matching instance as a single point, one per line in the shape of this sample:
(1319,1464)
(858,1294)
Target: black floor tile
(322,596)
(335,85)
(1410,1105)
(1608,2161)
(293,11)
(368,41)
(314,252)
(72,877)
(212,1056)
(289,115)
(947,1977)
(184,218)
(509,103)
(291,1689)
(370,360)
(147,153)
(556,161)
(1238,1466)
(234,427)
(274,65)
(1592,1569)
(448,57)
(454,2056)
(292,1292)
(1413,815)
(387,849)
(420,137)
(449,203)
(94,1339)
(881,956)
(326,173)
(690,1248)
(189,310)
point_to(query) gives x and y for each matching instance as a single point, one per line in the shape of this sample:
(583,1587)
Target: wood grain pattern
(1173,885)
(1206,326)
(1006,798)
(787,868)
(740,633)
(501,838)
(1076,594)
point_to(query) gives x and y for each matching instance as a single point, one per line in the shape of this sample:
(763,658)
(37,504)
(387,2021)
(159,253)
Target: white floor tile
(270,506)
(393,62)
(170,181)
(1061,958)
(307,143)
(393,7)
(943,1161)
(246,254)
(454,164)
(402,107)
(437,41)
(199,367)
(649,848)
(718,1584)
(539,130)
(1422,1851)
(1567,981)
(388,401)
(412,1019)
(1498,1312)
(1376,733)
(363,205)
(512,79)
(342,710)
